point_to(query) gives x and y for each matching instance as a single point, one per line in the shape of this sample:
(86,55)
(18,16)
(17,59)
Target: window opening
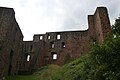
(54,55)
(28,57)
(58,36)
(41,37)
(94,41)
(31,48)
(63,45)
(11,54)
(10,61)
(52,45)
(49,37)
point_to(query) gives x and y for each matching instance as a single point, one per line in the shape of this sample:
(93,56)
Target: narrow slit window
(63,45)
(41,37)
(58,36)
(52,45)
(49,37)
(31,48)
(28,58)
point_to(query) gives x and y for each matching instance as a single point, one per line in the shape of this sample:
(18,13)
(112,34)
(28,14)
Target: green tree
(116,26)
(105,57)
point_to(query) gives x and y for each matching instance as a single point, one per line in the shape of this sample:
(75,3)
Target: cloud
(40,16)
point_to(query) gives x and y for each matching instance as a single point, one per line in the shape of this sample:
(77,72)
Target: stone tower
(99,24)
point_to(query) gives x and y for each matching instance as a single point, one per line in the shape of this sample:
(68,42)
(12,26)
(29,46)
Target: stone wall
(18,56)
(26,57)
(10,42)
(72,44)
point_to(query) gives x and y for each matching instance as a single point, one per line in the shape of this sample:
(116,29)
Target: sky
(41,16)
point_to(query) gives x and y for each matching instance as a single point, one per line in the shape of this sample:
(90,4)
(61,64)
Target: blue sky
(40,16)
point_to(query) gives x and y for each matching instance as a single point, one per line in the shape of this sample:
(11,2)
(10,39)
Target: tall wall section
(99,22)
(10,42)
(26,58)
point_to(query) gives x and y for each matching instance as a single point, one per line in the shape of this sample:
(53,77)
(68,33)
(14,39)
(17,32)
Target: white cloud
(40,16)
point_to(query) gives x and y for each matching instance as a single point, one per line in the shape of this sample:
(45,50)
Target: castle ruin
(21,57)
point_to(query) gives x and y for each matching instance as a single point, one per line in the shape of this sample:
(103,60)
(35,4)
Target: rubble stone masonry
(21,57)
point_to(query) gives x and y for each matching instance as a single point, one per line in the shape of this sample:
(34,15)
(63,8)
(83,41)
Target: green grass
(70,71)
(43,73)
(20,77)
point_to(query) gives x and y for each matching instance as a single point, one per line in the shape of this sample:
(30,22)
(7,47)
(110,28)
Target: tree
(106,57)
(116,26)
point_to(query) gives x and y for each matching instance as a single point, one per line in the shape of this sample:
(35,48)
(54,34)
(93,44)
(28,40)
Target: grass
(43,73)
(69,71)
(48,72)
(22,77)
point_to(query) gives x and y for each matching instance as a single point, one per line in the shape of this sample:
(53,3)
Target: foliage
(49,73)
(106,57)
(116,26)
(71,71)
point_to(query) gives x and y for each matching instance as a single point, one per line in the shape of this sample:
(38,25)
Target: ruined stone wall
(65,45)
(10,41)
(91,29)
(105,23)
(50,48)
(26,57)
(72,44)
(69,45)
(39,49)
(36,50)
(100,23)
